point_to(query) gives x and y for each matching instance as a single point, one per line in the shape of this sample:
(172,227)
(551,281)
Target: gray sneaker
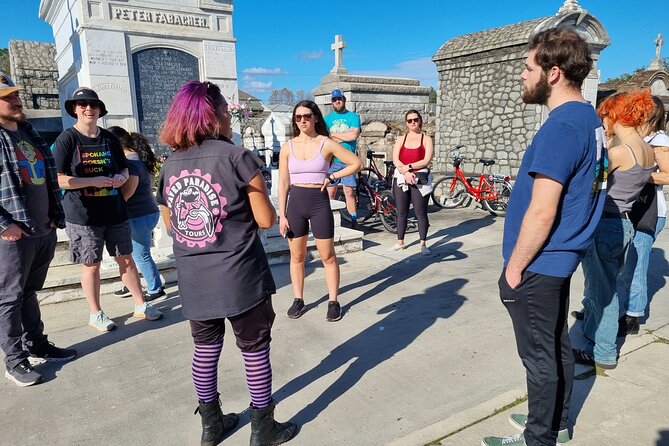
(519,420)
(147,311)
(101,322)
(23,375)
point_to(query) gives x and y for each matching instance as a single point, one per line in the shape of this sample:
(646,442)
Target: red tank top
(410,156)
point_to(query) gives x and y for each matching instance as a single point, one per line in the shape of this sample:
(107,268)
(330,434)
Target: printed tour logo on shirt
(31,163)
(196,208)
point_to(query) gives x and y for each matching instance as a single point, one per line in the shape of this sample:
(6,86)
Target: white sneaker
(425,250)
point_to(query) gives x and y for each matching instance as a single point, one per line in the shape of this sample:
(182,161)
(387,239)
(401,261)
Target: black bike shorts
(306,204)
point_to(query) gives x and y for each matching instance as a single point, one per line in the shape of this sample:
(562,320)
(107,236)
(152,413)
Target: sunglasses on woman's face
(412,120)
(306,116)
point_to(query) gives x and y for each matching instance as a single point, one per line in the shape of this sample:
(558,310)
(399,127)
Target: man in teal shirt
(344,127)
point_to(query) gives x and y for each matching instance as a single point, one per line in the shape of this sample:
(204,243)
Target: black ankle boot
(214,424)
(628,325)
(267,432)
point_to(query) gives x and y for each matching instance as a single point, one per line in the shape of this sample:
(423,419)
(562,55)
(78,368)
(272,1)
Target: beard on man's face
(339,106)
(14,113)
(540,93)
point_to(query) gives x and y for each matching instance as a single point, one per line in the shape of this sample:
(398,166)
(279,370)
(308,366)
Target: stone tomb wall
(33,68)
(481,108)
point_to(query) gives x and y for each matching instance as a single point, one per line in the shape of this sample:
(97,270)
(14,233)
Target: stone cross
(656,64)
(338,48)
(569,6)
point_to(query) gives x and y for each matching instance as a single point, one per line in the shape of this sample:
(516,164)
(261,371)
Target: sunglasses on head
(412,120)
(306,116)
(84,104)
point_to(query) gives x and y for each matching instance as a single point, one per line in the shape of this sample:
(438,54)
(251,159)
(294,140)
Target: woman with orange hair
(631,163)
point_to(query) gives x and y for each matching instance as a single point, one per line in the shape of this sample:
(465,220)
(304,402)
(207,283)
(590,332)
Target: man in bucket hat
(30,212)
(92,168)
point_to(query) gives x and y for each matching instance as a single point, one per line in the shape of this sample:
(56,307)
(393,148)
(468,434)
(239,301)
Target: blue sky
(287,44)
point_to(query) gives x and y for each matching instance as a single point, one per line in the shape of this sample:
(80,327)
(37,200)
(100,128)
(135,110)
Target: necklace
(85,133)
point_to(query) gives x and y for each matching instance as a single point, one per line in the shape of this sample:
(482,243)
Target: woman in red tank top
(412,155)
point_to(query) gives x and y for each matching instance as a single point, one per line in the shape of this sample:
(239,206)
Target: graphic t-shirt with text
(80,156)
(221,265)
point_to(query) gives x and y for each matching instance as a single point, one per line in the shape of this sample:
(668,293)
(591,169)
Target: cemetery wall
(33,67)
(480,107)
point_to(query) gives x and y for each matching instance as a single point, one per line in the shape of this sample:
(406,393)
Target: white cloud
(255,86)
(264,71)
(422,69)
(311,55)
(248,78)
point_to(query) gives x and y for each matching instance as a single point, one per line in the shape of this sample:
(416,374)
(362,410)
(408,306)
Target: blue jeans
(635,272)
(601,266)
(142,228)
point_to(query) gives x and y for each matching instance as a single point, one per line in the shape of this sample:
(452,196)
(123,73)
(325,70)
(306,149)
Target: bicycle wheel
(388,214)
(498,207)
(364,204)
(448,193)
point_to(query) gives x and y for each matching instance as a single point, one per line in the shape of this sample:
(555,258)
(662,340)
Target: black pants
(402,201)
(538,307)
(23,267)
(253,328)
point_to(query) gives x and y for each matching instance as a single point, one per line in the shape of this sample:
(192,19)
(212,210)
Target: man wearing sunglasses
(344,128)
(30,212)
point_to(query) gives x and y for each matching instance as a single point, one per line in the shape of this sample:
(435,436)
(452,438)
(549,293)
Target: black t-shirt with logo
(221,265)
(32,168)
(79,156)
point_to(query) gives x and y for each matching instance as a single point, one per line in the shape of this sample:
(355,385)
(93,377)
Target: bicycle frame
(485,190)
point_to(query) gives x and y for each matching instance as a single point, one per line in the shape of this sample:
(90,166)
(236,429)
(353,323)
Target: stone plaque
(159,74)
(106,53)
(219,59)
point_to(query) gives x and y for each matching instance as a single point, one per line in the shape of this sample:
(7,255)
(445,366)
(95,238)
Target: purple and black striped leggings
(252,331)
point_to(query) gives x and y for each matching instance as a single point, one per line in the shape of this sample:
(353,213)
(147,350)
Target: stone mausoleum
(479,99)
(374,98)
(136,54)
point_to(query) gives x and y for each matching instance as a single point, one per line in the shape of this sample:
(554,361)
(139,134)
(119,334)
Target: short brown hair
(563,48)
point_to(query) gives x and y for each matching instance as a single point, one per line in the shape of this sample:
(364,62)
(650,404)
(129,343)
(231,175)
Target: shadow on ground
(405,320)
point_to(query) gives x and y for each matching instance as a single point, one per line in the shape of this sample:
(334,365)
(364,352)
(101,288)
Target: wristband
(410,166)
(332,178)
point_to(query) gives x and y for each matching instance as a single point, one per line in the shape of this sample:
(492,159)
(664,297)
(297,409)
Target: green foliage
(4,60)
(626,76)
(433,96)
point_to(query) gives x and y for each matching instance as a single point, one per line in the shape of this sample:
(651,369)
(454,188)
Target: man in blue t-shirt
(344,128)
(554,209)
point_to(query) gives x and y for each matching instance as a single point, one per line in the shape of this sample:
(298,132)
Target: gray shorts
(86,242)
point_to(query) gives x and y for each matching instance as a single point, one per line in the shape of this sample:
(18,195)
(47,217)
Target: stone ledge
(63,283)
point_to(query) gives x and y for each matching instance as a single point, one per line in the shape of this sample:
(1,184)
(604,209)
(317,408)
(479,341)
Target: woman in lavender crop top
(303,176)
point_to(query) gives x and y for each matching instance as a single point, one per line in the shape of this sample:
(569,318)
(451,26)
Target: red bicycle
(490,189)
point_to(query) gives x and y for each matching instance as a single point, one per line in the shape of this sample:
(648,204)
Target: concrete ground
(424,354)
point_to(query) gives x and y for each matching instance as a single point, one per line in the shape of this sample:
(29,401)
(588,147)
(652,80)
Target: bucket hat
(84,94)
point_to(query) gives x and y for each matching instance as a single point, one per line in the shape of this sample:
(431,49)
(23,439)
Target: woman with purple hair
(213,200)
